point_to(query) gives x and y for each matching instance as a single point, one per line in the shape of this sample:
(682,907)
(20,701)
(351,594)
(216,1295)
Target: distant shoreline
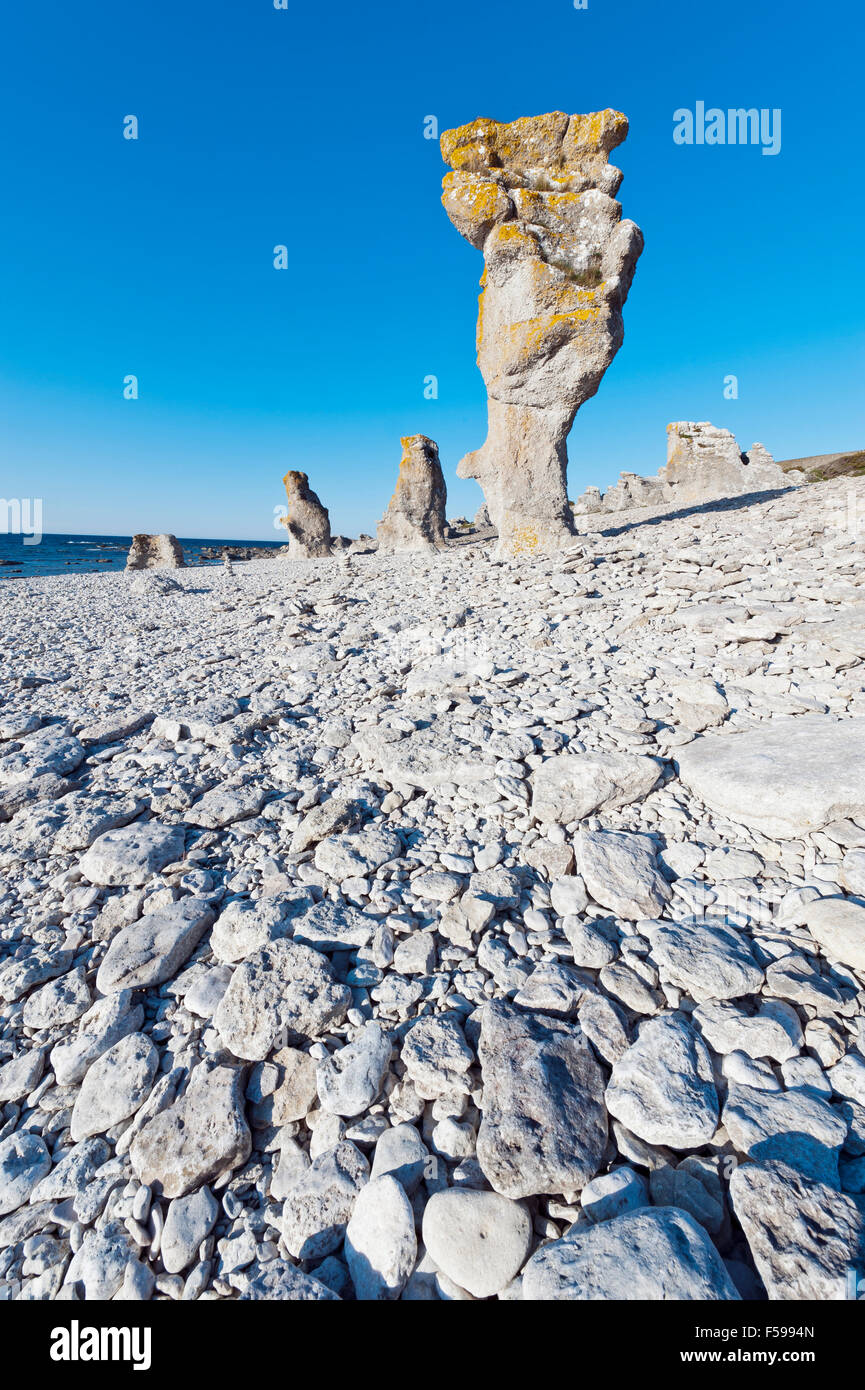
(62,553)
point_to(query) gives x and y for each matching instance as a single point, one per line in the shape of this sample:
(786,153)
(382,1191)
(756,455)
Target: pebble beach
(442,926)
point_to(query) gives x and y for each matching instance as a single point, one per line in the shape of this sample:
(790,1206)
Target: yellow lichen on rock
(475,205)
(540,336)
(546,208)
(568,148)
(599,132)
(415,517)
(524,540)
(537,195)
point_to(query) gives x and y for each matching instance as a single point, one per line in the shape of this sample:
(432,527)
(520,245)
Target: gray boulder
(569,786)
(202,1135)
(380,1240)
(544,1125)
(479,1239)
(797,774)
(285,989)
(318,1207)
(153,949)
(652,1254)
(663,1088)
(805,1237)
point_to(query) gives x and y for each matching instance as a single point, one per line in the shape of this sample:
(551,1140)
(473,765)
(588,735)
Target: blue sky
(304,127)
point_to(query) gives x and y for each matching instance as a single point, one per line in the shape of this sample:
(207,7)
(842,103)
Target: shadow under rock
(715,504)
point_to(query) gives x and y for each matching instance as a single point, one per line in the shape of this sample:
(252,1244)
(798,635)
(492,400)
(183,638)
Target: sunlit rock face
(704,461)
(155,552)
(306,520)
(415,518)
(537,197)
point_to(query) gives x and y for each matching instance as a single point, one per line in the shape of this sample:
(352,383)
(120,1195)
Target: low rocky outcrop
(415,518)
(630,491)
(306,520)
(364,545)
(703,463)
(155,552)
(537,196)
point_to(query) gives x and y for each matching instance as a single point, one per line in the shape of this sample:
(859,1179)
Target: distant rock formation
(240,552)
(415,517)
(307,521)
(364,545)
(704,463)
(482,518)
(155,552)
(589,501)
(632,491)
(536,196)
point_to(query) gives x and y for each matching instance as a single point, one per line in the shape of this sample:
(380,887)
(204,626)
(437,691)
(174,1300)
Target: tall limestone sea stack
(537,197)
(307,520)
(416,515)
